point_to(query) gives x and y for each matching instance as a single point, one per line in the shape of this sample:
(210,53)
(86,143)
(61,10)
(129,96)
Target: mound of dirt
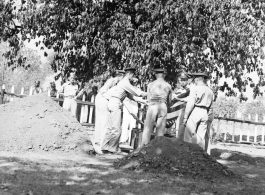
(38,123)
(173,156)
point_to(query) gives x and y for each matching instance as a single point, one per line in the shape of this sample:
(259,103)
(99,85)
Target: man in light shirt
(198,110)
(70,92)
(102,112)
(116,95)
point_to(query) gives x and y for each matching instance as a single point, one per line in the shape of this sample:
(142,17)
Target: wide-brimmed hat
(159,70)
(185,75)
(120,71)
(130,69)
(200,74)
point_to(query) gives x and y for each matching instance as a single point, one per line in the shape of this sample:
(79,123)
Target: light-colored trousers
(70,105)
(156,117)
(196,127)
(208,138)
(101,119)
(113,130)
(179,129)
(128,122)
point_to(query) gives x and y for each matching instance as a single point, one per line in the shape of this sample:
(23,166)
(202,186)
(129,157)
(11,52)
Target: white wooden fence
(229,129)
(85,117)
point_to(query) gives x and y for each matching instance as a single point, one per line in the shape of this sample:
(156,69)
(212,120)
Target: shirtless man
(159,98)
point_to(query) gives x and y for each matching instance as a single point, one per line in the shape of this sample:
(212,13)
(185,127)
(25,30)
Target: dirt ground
(76,174)
(41,148)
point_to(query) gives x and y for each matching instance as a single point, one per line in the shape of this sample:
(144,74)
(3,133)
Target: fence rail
(85,115)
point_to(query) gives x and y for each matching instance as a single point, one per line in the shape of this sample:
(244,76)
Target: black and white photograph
(132,97)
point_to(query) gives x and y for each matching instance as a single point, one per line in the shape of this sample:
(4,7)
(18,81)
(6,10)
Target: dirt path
(72,174)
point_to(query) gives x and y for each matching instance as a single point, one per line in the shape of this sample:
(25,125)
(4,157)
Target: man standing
(209,124)
(102,112)
(128,121)
(70,92)
(116,96)
(159,98)
(37,88)
(53,90)
(181,94)
(198,107)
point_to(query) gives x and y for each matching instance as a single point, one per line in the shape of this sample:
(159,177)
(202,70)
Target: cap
(184,75)
(200,74)
(130,69)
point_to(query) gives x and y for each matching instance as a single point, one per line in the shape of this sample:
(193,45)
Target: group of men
(193,122)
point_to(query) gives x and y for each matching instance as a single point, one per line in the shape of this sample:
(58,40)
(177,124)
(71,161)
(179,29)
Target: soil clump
(38,123)
(172,156)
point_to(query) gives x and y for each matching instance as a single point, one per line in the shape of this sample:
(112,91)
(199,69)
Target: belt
(69,96)
(203,107)
(157,101)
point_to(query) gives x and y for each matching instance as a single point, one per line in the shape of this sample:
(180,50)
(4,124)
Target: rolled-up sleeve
(126,85)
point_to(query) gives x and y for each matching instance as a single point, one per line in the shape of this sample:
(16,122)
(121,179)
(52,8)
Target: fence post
(226,129)
(241,132)
(249,118)
(140,116)
(2,94)
(263,133)
(12,91)
(31,91)
(22,91)
(233,133)
(218,127)
(91,109)
(256,129)
(82,109)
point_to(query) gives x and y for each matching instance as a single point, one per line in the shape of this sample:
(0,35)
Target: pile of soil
(175,157)
(38,123)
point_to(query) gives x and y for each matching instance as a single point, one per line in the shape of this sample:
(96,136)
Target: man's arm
(127,86)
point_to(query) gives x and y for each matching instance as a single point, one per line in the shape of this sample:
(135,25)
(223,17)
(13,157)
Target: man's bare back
(159,89)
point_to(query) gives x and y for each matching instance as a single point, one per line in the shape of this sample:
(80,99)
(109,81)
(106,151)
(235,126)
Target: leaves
(223,37)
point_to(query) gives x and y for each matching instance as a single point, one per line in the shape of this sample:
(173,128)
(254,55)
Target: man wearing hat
(102,112)
(181,94)
(198,107)
(115,97)
(159,98)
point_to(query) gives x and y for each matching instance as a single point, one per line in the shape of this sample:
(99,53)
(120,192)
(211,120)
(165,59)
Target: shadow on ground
(95,175)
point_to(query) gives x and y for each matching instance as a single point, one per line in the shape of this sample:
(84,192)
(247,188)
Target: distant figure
(37,88)
(70,92)
(53,90)
(61,95)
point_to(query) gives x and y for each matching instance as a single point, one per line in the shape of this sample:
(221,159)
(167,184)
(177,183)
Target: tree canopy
(222,37)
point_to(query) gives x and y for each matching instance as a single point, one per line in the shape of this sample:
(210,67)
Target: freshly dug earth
(38,123)
(173,156)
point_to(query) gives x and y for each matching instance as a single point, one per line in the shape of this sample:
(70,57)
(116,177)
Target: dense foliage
(223,37)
